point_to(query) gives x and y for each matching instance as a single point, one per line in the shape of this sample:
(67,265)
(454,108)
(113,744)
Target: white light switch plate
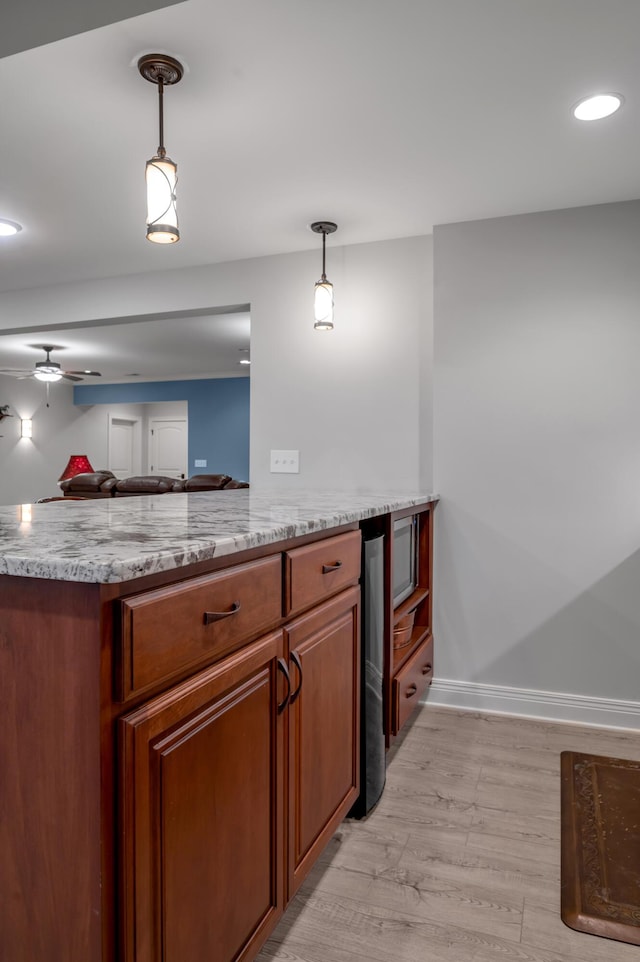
(200,464)
(285,462)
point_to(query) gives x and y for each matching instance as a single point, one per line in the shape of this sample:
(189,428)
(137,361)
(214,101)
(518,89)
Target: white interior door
(123,450)
(168,447)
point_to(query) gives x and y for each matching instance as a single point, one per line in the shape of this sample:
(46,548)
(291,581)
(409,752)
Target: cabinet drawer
(411,682)
(169,629)
(319,570)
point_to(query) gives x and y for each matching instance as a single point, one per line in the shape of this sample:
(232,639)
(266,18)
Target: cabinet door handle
(295,658)
(282,666)
(327,568)
(210,616)
(427,669)
(410,691)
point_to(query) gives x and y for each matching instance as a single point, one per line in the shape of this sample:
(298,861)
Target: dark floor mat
(601,846)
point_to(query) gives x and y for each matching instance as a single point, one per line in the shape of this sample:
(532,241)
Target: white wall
(348,400)
(537,454)
(537,429)
(351,401)
(29,468)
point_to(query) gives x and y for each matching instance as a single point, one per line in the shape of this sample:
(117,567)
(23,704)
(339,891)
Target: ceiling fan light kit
(161,173)
(323,292)
(50,371)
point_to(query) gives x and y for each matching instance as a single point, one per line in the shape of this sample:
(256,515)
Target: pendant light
(161,172)
(323,303)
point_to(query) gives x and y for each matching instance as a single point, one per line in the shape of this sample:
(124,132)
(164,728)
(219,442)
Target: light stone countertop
(118,539)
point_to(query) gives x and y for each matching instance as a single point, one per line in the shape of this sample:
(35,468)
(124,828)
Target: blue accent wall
(218,416)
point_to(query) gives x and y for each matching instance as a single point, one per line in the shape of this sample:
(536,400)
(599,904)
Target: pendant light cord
(161,151)
(324,245)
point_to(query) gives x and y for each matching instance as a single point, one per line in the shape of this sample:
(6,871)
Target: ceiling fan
(48,370)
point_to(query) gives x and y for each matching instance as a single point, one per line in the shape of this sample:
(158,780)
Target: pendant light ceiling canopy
(161,172)
(323,300)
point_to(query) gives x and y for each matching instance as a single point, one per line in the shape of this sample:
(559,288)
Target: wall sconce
(26,428)
(161,173)
(323,301)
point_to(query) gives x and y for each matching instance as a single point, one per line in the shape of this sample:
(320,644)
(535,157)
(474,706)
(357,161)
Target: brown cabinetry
(409,682)
(408,606)
(320,570)
(233,779)
(177,627)
(201,808)
(408,660)
(177,750)
(323,727)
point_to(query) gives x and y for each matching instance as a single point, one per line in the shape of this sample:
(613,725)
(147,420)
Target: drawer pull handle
(295,658)
(327,568)
(427,669)
(410,691)
(210,616)
(282,666)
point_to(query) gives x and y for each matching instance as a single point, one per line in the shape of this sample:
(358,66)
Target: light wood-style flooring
(460,861)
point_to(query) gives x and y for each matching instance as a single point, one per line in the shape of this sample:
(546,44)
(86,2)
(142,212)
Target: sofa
(104,484)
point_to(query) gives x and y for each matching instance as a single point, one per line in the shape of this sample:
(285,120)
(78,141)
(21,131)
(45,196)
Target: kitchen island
(179,707)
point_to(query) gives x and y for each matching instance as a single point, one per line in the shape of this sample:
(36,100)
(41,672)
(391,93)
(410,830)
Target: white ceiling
(387,116)
(166,348)
(30,23)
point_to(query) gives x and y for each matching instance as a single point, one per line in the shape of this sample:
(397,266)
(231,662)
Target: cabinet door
(324,720)
(202,814)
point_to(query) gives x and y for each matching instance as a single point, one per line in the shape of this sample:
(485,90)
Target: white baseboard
(549,705)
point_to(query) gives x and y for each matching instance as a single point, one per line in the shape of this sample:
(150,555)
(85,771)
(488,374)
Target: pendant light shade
(323,306)
(161,172)
(161,175)
(323,300)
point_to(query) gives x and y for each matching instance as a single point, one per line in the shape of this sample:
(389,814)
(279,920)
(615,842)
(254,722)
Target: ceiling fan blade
(90,373)
(17,371)
(71,377)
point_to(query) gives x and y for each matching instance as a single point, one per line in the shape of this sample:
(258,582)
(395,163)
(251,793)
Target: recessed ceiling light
(597,107)
(8,227)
